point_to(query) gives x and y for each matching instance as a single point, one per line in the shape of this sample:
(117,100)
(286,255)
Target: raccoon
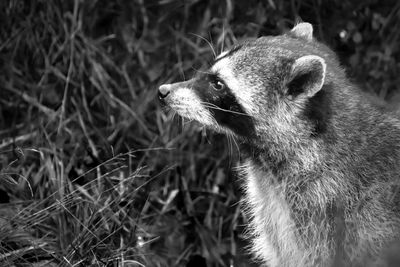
(321,158)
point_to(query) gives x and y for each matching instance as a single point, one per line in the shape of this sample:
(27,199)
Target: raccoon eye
(218,85)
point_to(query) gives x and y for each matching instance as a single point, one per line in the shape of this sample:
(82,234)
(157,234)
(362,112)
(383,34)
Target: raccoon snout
(163,91)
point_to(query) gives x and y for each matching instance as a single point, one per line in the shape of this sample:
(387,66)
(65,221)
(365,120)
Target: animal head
(256,87)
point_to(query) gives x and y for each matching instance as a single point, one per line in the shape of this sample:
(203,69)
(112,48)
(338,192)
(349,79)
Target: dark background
(93,172)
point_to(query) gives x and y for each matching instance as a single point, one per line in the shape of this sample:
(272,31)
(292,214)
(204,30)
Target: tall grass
(92,171)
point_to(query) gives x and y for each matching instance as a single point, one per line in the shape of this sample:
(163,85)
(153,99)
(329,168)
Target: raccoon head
(257,88)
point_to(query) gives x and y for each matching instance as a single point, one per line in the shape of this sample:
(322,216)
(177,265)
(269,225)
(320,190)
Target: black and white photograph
(200,133)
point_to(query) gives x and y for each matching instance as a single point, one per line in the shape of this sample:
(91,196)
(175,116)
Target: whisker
(204,134)
(237,145)
(230,148)
(212,106)
(211,41)
(187,121)
(208,42)
(223,38)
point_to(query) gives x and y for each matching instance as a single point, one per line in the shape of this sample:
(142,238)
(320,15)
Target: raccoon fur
(322,159)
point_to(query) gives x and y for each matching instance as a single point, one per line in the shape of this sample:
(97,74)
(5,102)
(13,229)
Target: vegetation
(93,172)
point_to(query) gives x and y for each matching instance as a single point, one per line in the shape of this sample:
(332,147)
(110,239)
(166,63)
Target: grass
(92,171)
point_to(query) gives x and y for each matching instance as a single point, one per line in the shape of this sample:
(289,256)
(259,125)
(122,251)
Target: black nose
(164,90)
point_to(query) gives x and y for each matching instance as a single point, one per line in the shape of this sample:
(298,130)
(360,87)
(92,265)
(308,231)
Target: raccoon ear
(303,30)
(306,77)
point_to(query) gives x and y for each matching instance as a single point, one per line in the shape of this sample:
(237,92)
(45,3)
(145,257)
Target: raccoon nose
(164,90)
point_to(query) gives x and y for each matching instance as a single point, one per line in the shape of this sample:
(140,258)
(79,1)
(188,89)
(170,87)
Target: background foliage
(92,172)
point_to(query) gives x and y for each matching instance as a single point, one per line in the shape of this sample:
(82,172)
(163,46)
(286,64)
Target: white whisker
(236,144)
(223,38)
(212,106)
(208,42)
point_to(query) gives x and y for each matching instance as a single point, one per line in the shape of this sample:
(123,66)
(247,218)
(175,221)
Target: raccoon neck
(283,156)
